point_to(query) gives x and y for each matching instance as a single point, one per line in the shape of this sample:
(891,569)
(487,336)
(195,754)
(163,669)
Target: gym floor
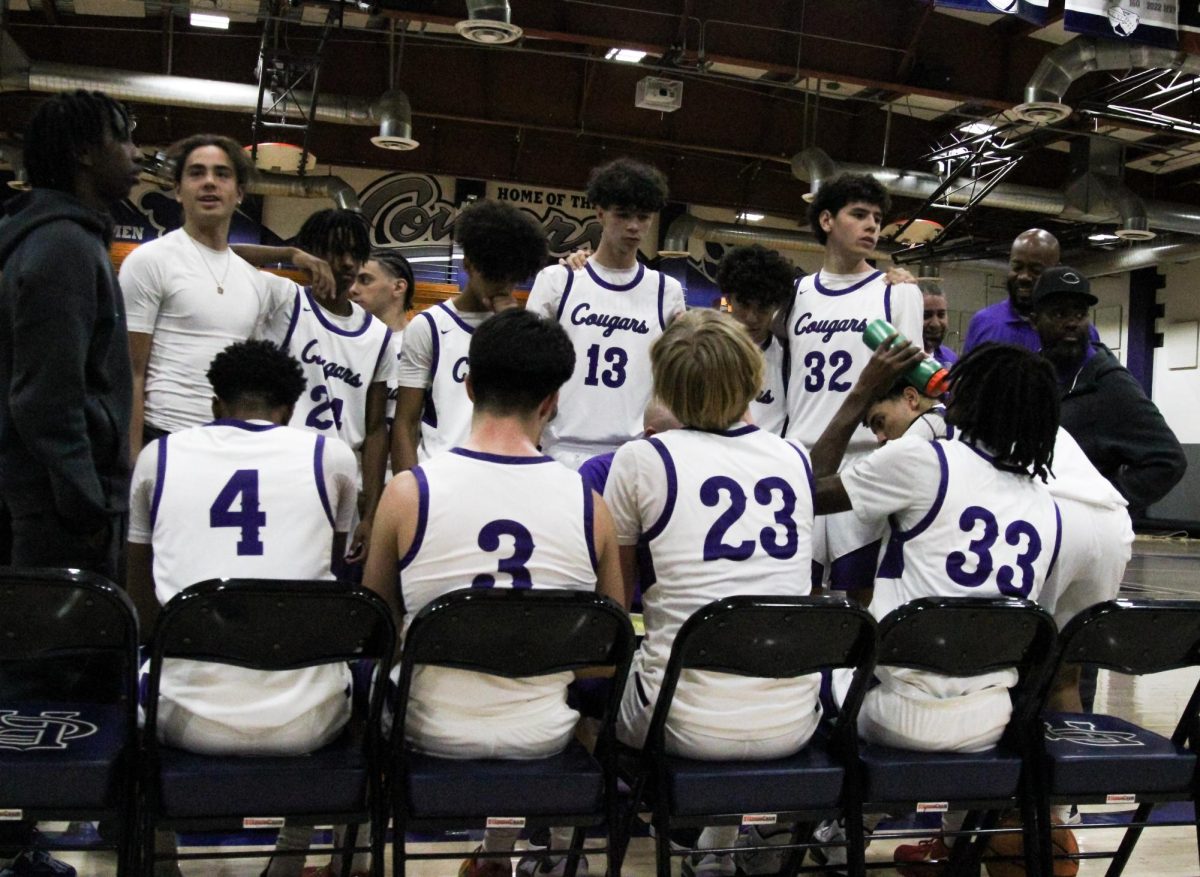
(1161,568)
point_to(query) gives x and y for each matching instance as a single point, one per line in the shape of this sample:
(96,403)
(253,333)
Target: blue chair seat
(809,780)
(195,786)
(444,787)
(82,742)
(892,774)
(1089,753)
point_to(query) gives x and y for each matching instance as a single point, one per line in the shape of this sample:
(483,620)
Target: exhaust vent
(395,122)
(488,22)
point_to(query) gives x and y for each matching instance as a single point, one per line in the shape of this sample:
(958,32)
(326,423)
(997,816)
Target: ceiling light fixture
(1103,237)
(628,56)
(977,127)
(747,216)
(205,19)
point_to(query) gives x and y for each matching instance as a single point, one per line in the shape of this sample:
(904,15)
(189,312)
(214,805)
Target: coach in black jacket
(65,382)
(1103,406)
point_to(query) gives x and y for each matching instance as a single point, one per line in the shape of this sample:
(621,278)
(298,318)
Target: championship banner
(1034,11)
(1154,22)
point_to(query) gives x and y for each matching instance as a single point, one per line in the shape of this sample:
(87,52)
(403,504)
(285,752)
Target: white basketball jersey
(245,500)
(768,410)
(492,521)
(611,327)
(340,364)
(825,327)
(738,520)
(393,385)
(446,417)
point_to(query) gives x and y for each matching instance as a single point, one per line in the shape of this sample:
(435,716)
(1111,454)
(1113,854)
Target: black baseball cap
(1062,280)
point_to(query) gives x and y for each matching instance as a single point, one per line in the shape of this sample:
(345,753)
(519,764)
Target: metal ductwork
(391,113)
(335,189)
(1063,65)
(1132,258)
(1161,215)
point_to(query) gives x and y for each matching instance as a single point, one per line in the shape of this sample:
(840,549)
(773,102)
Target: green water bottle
(929,376)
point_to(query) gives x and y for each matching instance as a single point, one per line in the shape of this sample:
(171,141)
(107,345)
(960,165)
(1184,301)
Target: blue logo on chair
(1085,733)
(47,730)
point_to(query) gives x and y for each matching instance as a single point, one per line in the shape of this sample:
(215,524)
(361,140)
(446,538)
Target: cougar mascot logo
(47,730)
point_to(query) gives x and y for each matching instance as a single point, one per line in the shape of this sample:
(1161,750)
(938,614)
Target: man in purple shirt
(1010,321)
(933,332)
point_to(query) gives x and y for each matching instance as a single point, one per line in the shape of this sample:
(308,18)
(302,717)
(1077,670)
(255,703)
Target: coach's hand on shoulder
(319,273)
(896,274)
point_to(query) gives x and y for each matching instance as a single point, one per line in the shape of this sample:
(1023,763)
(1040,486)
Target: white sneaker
(550,866)
(833,858)
(754,862)
(708,865)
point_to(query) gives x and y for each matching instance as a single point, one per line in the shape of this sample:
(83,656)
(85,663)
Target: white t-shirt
(612,318)
(434,359)
(960,527)
(722,513)
(170,289)
(825,326)
(243,499)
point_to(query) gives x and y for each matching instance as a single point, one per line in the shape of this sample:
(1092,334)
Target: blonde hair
(707,368)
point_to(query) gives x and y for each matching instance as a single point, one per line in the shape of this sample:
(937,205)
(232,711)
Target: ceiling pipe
(1063,65)
(918,185)
(1132,258)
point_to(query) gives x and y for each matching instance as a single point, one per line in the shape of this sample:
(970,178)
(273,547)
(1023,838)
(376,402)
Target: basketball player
(758,283)
(346,355)
(613,310)
(675,492)
(384,287)
(502,246)
(824,330)
(946,499)
(188,295)
(495,512)
(247,497)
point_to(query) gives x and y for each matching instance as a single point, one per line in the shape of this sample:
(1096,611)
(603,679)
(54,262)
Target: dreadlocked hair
(335,231)
(65,126)
(1006,398)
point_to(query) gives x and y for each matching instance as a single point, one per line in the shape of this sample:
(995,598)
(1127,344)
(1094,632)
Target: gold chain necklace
(204,260)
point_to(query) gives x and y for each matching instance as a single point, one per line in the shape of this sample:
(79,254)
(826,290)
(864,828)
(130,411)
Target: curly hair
(629,184)
(845,189)
(178,152)
(757,277)
(1006,398)
(516,360)
(335,231)
(256,370)
(502,243)
(63,127)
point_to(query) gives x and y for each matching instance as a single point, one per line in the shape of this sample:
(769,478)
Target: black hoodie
(66,385)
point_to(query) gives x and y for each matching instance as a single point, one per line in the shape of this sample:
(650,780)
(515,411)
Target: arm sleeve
(341,483)
(141,495)
(636,490)
(901,477)
(1150,459)
(55,311)
(674,303)
(547,291)
(142,288)
(908,311)
(416,357)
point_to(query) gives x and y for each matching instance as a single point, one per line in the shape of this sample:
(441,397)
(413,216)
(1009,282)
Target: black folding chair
(513,634)
(762,637)
(269,625)
(68,702)
(1088,758)
(964,636)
